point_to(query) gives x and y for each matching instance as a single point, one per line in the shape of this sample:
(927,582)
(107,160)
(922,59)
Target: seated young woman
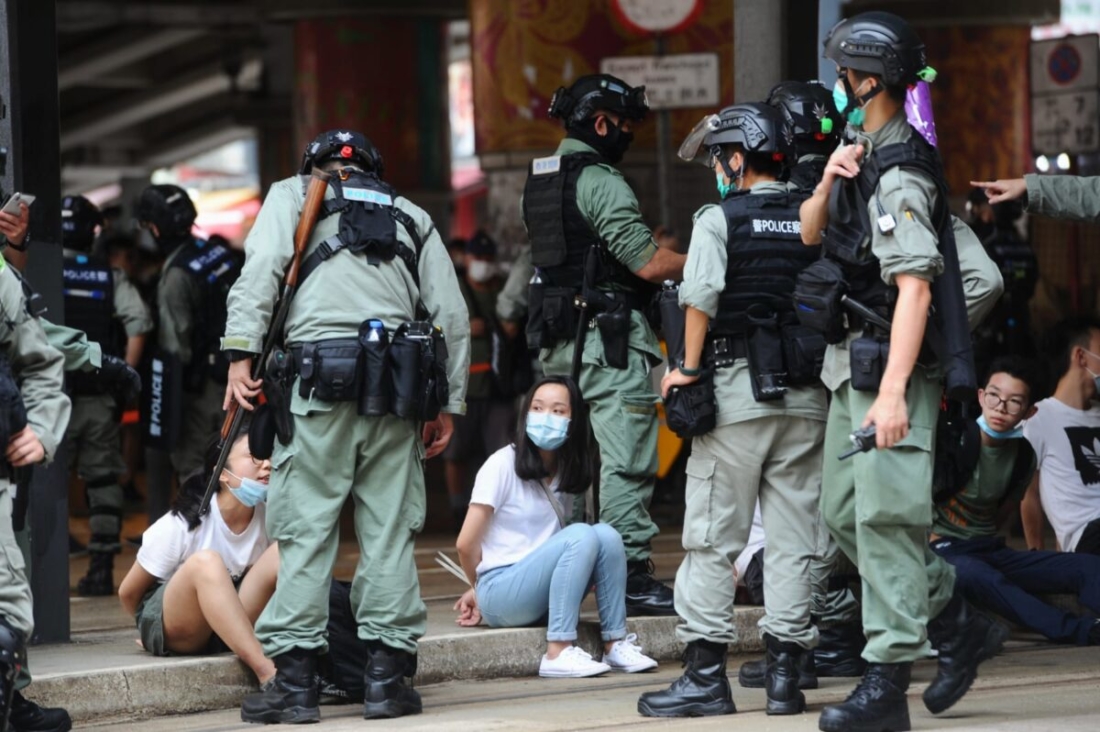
(524,563)
(200,582)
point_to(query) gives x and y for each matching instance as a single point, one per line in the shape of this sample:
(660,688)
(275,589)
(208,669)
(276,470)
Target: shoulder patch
(367,195)
(546,166)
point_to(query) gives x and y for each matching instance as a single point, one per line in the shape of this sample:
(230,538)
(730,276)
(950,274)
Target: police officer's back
(191,314)
(102,303)
(588,237)
(374,272)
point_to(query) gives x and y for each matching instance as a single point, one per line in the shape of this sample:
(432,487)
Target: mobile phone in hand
(11,206)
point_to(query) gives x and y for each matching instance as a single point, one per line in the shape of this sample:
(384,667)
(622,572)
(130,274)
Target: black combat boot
(751,674)
(386,693)
(702,691)
(839,650)
(289,698)
(782,677)
(100,579)
(964,638)
(26,716)
(877,705)
(645,595)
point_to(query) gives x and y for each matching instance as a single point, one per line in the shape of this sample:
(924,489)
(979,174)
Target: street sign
(657,16)
(1066,123)
(1065,64)
(671,82)
(1065,101)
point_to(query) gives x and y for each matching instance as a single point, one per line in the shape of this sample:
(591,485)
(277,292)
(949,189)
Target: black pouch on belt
(817,299)
(765,354)
(868,359)
(331,370)
(278,380)
(434,390)
(559,314)
(804,354)
(536,337)
(615,333)
(692,411)
(375,397)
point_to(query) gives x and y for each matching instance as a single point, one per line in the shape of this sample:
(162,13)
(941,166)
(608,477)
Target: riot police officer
(191,314)
(889,237)
(588,238)
(103,304)
(388,268)
(33,413)
(815,125)
(740,275)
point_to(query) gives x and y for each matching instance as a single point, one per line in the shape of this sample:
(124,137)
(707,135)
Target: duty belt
(723,350)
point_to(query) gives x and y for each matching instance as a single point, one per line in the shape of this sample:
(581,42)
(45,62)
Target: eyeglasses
(1012,406)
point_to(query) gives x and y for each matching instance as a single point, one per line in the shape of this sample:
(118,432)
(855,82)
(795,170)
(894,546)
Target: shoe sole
(896,725)
(636,668)
(710,709)
(572,674)
(995,639)
(293,715)
(389,709)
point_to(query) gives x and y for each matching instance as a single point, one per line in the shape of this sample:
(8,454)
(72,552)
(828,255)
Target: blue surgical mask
(1013,434)
(250,492)
(547,431)
(849,108)
(724,188)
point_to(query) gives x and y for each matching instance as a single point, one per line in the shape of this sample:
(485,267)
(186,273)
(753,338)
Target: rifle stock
(311,210)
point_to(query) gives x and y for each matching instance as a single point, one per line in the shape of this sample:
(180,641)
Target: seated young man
(964,529)
(1065,433)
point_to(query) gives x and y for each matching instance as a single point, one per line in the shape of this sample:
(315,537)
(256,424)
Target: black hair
(896,92)
(573,462)
(760,163)
(1070,333)
(1022,369)
(189,500)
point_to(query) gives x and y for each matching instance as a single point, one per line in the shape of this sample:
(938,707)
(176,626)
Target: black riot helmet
(877,43)
(79,219)
(812,114)
(756,127)
(347,145)
(595,92)
(170,209)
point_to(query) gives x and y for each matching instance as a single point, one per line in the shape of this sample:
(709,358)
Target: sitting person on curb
(200,582)
(964,530)
(524,564)
(1065,433)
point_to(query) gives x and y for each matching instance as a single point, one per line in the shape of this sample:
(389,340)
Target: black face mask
(611,146)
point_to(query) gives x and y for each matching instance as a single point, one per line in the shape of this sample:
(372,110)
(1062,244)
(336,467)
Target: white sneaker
(572,663)
(626,655)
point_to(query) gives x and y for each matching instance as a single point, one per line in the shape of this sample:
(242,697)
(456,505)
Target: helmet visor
(689,148)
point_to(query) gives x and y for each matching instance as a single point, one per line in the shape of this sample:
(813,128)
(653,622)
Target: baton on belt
(581,303)
(234,417)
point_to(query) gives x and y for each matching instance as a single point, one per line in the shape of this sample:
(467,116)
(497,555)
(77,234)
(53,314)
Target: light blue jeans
(550,583)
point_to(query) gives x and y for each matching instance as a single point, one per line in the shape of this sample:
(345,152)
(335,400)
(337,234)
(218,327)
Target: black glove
(120,378)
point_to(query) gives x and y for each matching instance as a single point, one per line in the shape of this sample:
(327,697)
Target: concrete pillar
(760,47)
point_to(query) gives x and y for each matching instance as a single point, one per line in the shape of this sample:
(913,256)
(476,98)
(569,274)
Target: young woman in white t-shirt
(524,566)
(200,582)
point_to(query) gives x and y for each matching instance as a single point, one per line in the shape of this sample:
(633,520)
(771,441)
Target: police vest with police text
(764,255)
(215,268)
(88,286)
(560,235)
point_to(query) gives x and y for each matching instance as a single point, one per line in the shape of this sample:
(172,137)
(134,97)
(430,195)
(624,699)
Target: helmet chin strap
(862,99)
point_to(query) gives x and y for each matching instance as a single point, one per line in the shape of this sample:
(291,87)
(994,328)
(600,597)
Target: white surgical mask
(482,271)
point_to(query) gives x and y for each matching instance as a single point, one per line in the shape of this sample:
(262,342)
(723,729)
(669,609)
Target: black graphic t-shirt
(1067,448)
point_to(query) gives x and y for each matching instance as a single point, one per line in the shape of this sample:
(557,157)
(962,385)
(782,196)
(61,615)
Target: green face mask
(724,188)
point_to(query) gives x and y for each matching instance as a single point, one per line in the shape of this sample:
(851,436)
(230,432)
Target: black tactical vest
(88,287)
(807,174)
(765,253)
(559,234)
(215,268)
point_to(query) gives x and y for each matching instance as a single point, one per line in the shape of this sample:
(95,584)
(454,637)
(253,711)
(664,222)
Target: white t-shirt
(167,544)
(522,515)
(1067,450)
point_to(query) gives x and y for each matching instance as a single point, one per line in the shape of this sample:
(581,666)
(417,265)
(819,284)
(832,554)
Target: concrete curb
(189,685)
